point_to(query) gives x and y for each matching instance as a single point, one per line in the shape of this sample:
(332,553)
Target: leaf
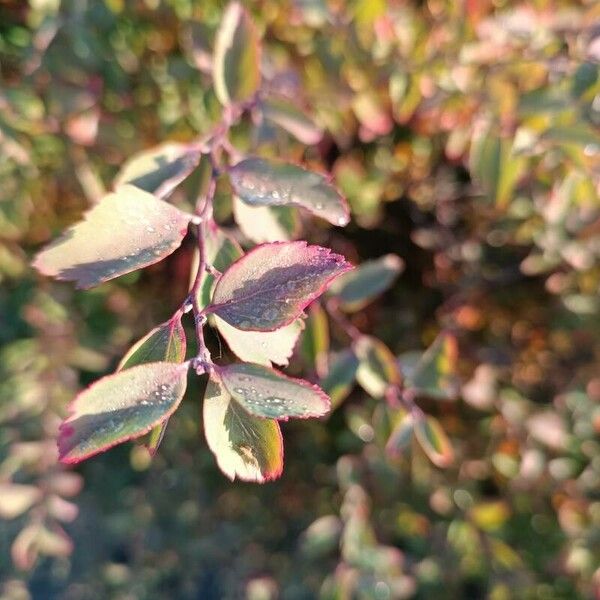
(159,170)
(377,368)
(262,347)
(236,66)
(167,342)
(270,286)
(269,394)
(129,229)
(293,120)
(339,381)
(356,289)
(16,498)
(221,251)
(401,435)
(434,441)
(260,182)
(435,373)
(246,447)
(262,224)
(315,341)
(121,407)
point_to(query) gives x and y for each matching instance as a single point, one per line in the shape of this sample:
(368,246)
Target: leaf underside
(245,446)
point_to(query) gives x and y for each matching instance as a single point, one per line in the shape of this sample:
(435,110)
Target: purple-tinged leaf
(159,170)
(370,279)
(434,441)
(270,394)
(401,435)
(167,342)
(260,182)
(121,407)
(262,347)
(293,120)
(236,60)
(262,224)
(129,229)
(271,285)
(245,446)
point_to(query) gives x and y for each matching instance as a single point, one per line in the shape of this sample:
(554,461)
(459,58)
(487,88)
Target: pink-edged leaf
(167,342)
(262,347)
(129,229)
(269,394)
(236,60)
(271,285)
(159,170)
(244,446)
(262,224)
(121,407)
(260,182)
(293,120)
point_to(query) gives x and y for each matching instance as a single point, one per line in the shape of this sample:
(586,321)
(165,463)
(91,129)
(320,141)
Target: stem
(353,332)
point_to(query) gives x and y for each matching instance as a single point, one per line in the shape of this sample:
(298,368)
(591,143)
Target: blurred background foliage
(466,137)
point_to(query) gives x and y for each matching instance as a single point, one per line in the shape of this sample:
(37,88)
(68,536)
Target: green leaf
(293,120)
(356,289)
(270,286)
(494,164)
(260,182)
(129,229)
(341,376)
(121,407)
(167,342)
(377,367)
(262,347)
(315,341)
(434,441)
(435,374)
(159,170)
(246,447)
(236,66)
(269,394)
(401,434)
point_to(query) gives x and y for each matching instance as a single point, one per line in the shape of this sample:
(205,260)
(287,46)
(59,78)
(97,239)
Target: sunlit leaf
(357,288)
(262,347)
(435,374)
(236,66)
(267,393)
(315,340)
(262,224)
(160,169)
(16,498)
(260,182)
(245,446)
(121,407)
(293,120)
(167,342)
(271,285)
(339,381)
(129,229)
(377,367)
(434,441)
